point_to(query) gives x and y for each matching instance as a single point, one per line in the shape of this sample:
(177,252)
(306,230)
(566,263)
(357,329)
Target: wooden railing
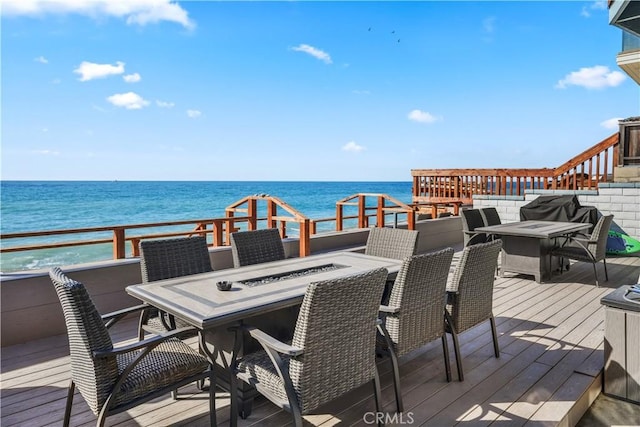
(120,235)
(584,171)
(218,230)
(249,205)
(589,168)
(385,205)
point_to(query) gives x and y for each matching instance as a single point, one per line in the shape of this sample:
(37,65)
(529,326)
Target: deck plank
(551,342)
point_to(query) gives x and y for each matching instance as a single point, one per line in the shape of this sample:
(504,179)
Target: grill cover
(559,208)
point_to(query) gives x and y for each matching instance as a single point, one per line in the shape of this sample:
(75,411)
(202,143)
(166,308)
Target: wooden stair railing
(588,168)
(585,171)
(385,205)
(249,206)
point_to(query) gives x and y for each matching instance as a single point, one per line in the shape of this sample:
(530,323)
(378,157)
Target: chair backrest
(256,247)
(169,258)
(336,328)
(87,334)
(599,235)
(473,280)
(419,292)
(471,219)
(490,216)
(396,243)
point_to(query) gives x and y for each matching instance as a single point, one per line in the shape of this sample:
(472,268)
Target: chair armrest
(581,242)
(267,340)
(389,309)
(110,319)
(148,343)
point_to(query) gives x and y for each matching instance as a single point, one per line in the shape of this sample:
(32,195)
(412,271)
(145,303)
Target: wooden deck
(551,342)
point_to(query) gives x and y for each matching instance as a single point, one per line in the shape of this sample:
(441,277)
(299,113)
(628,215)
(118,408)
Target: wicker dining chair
(256,246)
(470,294)
(396,243)
(472,219)
(166,259)
(415,313)
(112,380)
(332,352)
(490,216)
(588,248)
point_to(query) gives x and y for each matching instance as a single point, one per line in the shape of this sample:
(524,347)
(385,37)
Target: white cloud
(596,77)
(89,70)
(139,12)
(56,81)
(611,123)
(316,53)
(132,78)
(194,114)
(422,117)
(129,100)
(164,104)
(596,5)
(41,59)
(353,147)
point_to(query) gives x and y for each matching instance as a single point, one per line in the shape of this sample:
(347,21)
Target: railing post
(230,227)
(271,212)
(283,229)
(339,217)
(217,233)
(252,213)
(380,212)
(305,241)
(118,243)
(362,212)
(135,247)
(411,220)
(314,228)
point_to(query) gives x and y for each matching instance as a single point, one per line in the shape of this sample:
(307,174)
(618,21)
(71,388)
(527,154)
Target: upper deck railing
(584,171)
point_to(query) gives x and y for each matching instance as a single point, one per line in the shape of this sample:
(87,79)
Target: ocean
(55,205)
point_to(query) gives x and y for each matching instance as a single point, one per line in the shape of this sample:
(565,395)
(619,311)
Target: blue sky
(363,91)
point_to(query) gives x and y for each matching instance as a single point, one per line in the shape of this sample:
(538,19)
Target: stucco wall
(620,199)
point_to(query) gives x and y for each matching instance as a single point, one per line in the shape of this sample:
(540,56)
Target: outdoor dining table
(527,245)
(266,295)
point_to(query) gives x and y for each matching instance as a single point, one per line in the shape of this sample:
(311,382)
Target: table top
(622,299)
(537,229)
(196,299)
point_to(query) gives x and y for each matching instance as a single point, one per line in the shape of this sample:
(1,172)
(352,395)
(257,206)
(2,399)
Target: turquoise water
(54,205)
